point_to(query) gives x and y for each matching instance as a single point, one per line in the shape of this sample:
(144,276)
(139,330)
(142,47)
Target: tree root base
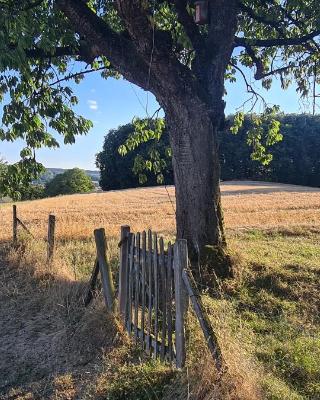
(216,263)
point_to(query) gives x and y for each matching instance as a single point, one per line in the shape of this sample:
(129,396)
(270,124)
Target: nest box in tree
(202,12)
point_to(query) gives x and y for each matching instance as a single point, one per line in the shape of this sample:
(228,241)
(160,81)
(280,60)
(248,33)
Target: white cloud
(93,105)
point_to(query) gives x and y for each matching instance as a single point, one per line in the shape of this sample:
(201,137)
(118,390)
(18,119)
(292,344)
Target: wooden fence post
(181,299)
(51,232)
(14,224)
(106,276)
(123,272)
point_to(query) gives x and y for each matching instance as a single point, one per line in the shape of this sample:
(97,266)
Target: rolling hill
(52,172)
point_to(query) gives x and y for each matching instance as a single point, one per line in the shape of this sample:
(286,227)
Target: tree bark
(195,159)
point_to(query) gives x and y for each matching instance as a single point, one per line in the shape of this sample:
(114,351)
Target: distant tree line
(69,182)
(295,160)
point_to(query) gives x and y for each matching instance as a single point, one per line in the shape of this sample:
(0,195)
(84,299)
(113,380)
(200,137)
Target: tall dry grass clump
(45,329)
(239,377)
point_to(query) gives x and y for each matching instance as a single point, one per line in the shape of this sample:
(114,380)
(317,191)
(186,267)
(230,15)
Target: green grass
(144,381)
(278,299)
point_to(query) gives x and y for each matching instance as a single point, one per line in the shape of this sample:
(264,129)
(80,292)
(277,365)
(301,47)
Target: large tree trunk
(193,137)
(191,98)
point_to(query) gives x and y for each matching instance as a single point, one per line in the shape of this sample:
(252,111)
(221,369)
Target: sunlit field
(246,205)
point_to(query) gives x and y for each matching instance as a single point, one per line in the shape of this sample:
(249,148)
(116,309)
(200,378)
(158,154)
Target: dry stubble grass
(246,205)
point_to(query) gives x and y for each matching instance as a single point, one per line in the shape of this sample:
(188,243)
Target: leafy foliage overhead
(47,46)
(148,163)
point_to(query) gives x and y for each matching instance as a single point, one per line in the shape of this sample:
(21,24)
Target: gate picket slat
(163,296)
(150,311)
(156,293)
(137,286)
(149,269)
(143,286)
(130,285)
(169,300)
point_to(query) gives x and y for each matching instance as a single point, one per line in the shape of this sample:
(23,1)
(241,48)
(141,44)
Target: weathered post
(105,270)
(14,224)
(51,232)
(124,271)
(208,332)
(181,300)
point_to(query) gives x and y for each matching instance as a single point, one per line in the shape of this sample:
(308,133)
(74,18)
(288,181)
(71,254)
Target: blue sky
(110,103)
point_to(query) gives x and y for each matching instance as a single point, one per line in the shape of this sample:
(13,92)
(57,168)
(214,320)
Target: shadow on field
(256,187)
(273,291)
(271,190)
(45,330)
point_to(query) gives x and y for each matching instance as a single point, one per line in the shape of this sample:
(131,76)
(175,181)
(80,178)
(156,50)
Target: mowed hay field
(246,205)
(267,318)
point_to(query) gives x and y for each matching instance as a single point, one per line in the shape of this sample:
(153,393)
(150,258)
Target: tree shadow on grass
(291,288)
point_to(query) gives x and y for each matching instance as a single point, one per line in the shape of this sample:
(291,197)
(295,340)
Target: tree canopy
(72,181)
(3,171)
(135,39)
(295,159)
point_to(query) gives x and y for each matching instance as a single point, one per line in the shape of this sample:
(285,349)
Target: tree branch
(256,60)
(152,68)
(34,4)
(29,5)
(294,41)
(266,21)
(285,68)
(249,87)
(135,17)
(210,68)
(102,40)
(58,52)
(72,76)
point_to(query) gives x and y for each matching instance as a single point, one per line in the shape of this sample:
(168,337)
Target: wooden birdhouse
(202,12)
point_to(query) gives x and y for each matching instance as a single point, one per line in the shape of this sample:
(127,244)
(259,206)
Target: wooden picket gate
(148,297)
(154,290)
